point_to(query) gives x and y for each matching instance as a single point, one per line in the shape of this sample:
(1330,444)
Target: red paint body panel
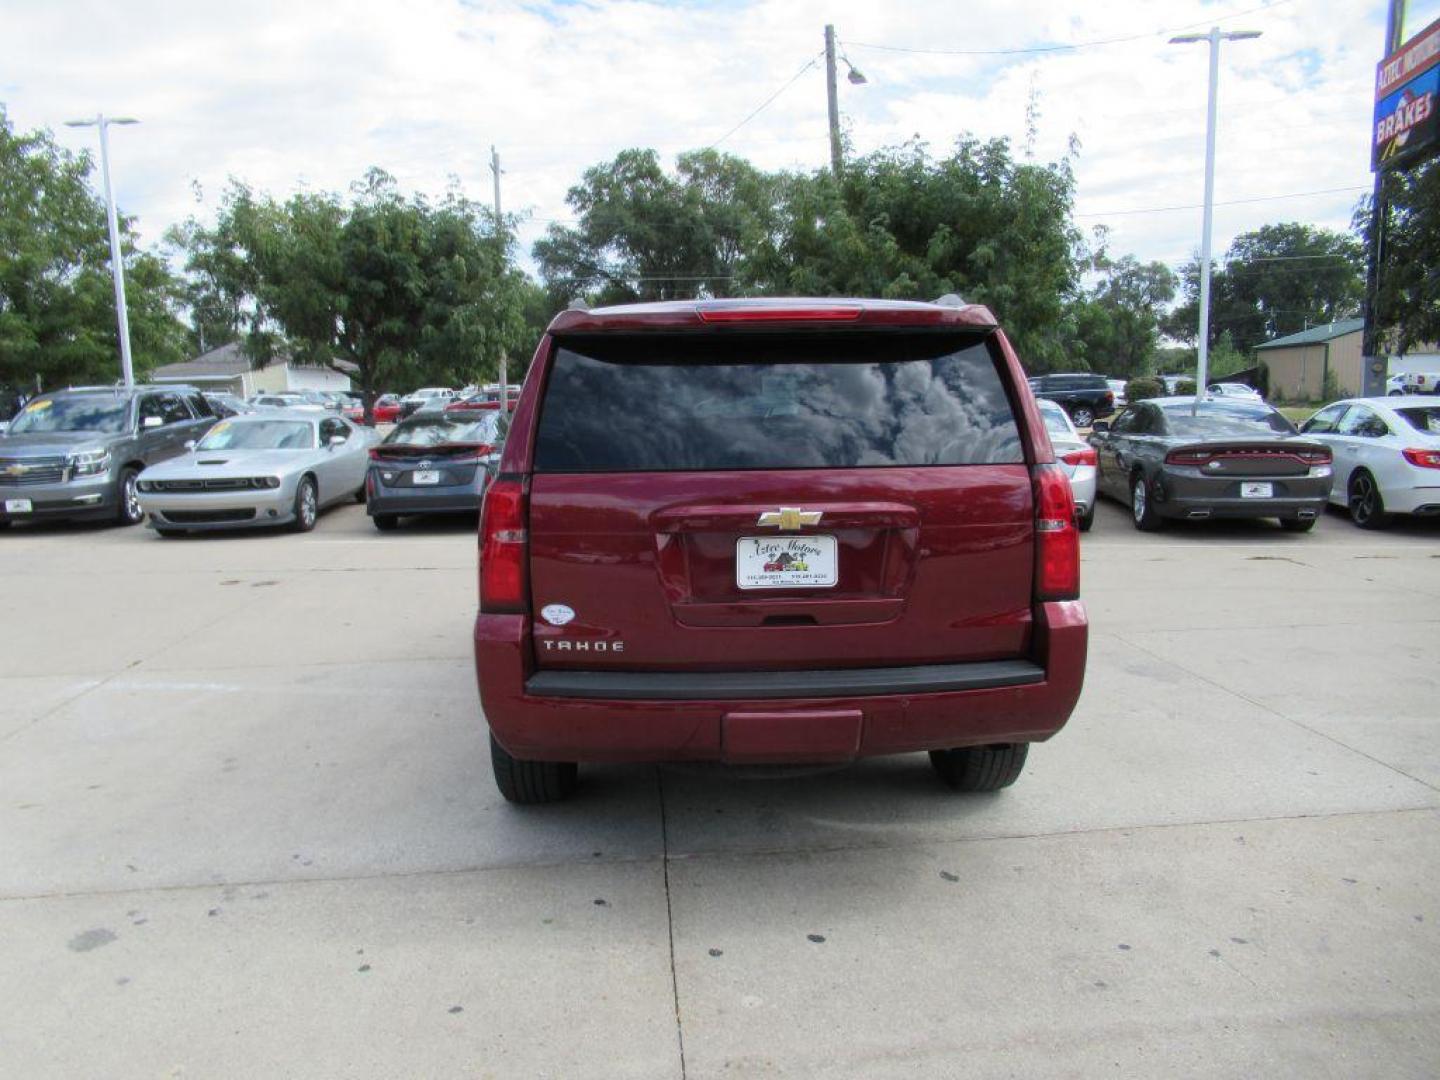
(936,566)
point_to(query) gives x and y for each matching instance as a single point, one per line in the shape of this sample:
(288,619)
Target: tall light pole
(117,267)
(500,235)
(1214,37)
(833,96)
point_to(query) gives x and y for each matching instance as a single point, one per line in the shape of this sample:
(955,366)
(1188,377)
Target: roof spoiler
(951,299)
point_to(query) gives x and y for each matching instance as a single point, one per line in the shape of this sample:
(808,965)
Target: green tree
(1117,322)
(1408,305)
(404,290)
(57,304)
(1277,280)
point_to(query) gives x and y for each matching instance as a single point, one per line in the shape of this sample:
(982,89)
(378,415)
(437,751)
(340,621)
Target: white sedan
(1233,390)
(1076,457)
(1387,456)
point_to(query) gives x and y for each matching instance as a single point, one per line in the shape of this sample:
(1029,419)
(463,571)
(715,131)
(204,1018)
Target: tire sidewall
(128,499)
(307,513)
(1082,411)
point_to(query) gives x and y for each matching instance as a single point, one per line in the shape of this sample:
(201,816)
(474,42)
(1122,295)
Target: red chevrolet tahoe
(776,531)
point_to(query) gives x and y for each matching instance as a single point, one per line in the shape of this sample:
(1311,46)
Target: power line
(766,103)
(1066,47)
(1228,202)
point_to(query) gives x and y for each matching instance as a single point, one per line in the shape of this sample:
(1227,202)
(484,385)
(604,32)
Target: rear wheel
(1301,525)
(1083,416)
(1086,519)
(385,522)
(127,508)
(981,768)
(532,782)
(1142,506)
(307,506)
(1367,508)
(360,495)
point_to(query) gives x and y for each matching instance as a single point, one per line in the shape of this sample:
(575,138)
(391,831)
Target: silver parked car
(266,469)
(1075,456)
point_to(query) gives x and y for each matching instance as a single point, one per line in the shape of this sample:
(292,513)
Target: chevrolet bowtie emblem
(788,518)
(17,470)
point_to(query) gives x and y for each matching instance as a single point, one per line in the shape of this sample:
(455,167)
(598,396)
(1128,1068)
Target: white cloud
(283,94)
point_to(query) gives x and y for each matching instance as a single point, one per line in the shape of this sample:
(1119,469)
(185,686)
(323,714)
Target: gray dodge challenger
(1231,459)
(269,468)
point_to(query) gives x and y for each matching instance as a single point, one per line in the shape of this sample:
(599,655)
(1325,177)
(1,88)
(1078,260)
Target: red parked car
(776,531)
(386,410)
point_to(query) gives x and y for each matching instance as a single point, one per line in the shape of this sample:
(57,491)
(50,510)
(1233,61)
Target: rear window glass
(1426,419)
(625,404)
(1216,419)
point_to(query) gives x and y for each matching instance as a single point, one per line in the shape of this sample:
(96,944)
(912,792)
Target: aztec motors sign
(1407,102)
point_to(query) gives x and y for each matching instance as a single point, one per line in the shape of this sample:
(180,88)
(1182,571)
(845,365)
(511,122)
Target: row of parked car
(166,455)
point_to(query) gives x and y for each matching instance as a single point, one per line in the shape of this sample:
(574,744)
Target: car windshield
(1426,418)
(1055,422)
(260,435)
(434,430)
(1221,420)
(91,412)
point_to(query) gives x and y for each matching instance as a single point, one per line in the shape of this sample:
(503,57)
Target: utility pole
(834,98)
(500,235)
(112,220)
(1372,383)
(1214,37)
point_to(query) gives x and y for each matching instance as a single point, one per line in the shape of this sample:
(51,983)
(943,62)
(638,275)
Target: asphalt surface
(247,828)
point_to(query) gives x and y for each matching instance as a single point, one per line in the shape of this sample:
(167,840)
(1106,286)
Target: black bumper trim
(763,685)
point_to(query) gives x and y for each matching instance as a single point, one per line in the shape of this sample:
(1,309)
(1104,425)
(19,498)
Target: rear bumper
(1183,494)
(776,716)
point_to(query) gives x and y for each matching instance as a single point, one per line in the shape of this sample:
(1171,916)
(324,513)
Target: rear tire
(980,768)
(385,522)
(1296,525)
(1085,520)
(1083,416)
(169,534)
(531,783)
(360,495)
(1142,506)
(1367,507)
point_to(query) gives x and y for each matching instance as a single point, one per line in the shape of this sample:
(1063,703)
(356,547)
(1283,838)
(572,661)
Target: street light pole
(500,235)
(117,266)
(1214,37)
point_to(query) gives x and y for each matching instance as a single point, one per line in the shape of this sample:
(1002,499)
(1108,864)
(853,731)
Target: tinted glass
(434,430)
(199,406)
(97,413)
(173,408)
(1224,419)
(1363,422)
(730,402)
(259,435)
(1426,419)
(1055,421)
(1126,422)
(1325,421)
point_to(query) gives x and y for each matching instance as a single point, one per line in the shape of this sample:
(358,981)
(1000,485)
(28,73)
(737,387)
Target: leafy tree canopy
(57,300)
(1116,322)
(1408,305)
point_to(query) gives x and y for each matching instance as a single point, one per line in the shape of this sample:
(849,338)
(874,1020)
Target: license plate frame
(425,477)
(1257,489)
(19,506)
(770,562)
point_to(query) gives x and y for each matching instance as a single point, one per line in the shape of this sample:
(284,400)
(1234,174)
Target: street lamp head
(121,120)
(856,79)
(1186,39)
(79,123)
(1241,35)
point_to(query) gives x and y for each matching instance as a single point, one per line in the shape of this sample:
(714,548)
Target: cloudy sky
(292,93)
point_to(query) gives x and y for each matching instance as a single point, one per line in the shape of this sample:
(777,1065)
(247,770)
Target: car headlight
(88,462)
(265,482)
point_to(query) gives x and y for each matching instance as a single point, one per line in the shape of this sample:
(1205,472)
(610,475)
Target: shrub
(1330,388)
(1142,387)
(1184,387)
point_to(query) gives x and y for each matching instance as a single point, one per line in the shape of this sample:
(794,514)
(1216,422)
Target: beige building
(1299,362)
(228,369)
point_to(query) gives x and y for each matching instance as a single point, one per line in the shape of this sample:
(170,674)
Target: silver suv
(76,453)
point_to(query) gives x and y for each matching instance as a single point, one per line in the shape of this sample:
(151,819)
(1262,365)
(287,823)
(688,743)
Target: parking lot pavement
(247,828)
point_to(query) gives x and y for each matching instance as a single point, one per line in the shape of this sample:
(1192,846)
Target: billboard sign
(1407,102)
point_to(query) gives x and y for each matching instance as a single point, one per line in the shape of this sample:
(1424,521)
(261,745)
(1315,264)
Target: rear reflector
(503,549)
(817,313)
(1084,456)
(1057,540)
(1426,459)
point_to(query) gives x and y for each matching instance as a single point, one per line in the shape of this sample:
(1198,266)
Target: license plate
(792,562)
(1257,491)
(18,506)
(425,476)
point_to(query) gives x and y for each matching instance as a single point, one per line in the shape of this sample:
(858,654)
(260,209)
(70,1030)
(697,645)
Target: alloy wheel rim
(1137,500)
(132,499)
(1364,501)
(307,504)
(1084,418)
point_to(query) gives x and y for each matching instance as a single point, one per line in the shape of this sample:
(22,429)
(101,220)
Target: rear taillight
(1187,457)
(503,549)
(1057,540)
(1426,459)
(1321,456)
(1084,456)
(779,313)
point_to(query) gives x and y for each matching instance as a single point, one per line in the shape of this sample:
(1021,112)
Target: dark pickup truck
(1084,397)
